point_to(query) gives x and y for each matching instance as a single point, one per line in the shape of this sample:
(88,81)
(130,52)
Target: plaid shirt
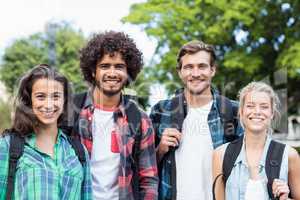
(161,119)
(147,172)
(40,176)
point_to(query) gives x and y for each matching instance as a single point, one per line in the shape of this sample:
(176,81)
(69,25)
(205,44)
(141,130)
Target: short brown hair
(194,47)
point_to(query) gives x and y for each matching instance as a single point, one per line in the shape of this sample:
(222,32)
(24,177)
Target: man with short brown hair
(190,125)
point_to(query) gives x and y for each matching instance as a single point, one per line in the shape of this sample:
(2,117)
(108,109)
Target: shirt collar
(31,139)
(120,110)
(214,91)
(242,157)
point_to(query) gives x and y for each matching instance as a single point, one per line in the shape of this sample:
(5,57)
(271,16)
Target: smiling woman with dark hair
(49,166)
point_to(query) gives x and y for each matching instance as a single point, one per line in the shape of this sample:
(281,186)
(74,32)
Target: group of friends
(100,144)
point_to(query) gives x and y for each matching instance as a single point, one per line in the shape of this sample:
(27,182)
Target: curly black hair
(110,42)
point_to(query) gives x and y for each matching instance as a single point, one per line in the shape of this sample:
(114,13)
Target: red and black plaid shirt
(148,179)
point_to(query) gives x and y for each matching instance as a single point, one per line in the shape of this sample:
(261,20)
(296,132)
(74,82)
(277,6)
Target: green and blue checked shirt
(41,177)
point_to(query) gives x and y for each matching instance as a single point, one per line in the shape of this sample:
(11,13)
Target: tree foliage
(255,40)
(25,53)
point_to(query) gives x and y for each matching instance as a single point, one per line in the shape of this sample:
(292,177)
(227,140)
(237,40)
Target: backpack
(228,115)
(272,165)
(16,149)
(134,119)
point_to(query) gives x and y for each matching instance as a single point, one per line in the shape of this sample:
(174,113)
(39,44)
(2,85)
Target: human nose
(49,103)
(112,69)
(257,110)
(195,71)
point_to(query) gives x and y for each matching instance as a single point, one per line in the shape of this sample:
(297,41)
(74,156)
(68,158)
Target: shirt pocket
(72,167)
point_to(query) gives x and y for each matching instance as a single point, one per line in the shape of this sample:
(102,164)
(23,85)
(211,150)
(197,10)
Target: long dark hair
(24,120)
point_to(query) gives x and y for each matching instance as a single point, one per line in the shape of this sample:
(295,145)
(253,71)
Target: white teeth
(111,81)
(256,119)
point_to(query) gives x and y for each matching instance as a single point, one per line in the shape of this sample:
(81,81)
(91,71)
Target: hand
(170,138)
(280,189)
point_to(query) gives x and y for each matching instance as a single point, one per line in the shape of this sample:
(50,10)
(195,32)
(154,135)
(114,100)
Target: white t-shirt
(104,163)
(256,189)
(194,156)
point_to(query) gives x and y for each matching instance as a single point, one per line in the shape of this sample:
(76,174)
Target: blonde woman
(246,164)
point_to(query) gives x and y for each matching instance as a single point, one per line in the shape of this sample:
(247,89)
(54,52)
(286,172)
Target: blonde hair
(261,87)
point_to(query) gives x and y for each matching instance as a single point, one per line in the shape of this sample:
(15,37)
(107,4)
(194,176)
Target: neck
(255,141)
(46,133)
(198,100)
(106,101)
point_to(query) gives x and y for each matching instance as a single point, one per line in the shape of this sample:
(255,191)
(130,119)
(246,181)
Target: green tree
(25,53)
(254,39)
(5,117)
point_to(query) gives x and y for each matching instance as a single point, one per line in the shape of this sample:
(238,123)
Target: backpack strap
(231,153)
(228,114)
(134,122)
(178,111)
(78,103)
(273,164)
(16,149)
(78,148)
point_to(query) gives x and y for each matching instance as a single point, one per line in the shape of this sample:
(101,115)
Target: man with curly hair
(122,152)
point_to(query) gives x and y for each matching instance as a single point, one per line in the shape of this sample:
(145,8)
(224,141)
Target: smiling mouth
(255,119)
(49,114)
(114,81)
(196,80)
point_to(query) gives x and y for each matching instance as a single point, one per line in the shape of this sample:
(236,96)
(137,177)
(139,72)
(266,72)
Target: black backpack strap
(273,163)
(78,148)
(228,114)
(16,150)
(78,104)
(178,111)
(231,153)
(134,122)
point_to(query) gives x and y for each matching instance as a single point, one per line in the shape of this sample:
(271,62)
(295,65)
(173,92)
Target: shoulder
(220,151)
(293,155)
(234,103)
(218,156)
(161,105)
(4,141)
(293,161)
(4,148)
